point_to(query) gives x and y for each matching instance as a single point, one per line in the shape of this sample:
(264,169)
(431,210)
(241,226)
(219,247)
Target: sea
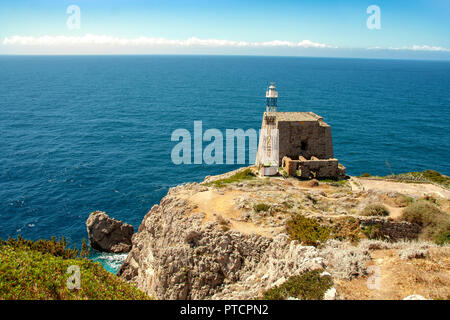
(85,133)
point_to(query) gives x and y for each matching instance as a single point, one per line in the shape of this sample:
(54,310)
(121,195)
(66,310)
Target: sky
(415,29)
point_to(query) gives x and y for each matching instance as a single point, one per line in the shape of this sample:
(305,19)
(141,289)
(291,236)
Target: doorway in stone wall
(304,145)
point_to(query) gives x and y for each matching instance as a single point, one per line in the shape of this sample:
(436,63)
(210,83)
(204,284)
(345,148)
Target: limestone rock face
(107,234)
(178,255)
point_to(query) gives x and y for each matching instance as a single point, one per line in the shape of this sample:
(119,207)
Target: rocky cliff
(226,238)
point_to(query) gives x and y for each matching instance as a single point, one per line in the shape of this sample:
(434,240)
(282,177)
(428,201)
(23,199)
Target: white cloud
(413,48)
(102,44)
(90,39)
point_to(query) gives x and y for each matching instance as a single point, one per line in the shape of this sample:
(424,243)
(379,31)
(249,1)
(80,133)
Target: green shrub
(375,209)
(334,182)
(261,207)
(373,231)
(306,230)
(308,286)
(58,248)
(246,174)
(435,176)
(39,271)
(346,228)
(434,222)
(442,237)
(340,183)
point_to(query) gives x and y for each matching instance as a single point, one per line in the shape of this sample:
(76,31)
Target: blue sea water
(85,133)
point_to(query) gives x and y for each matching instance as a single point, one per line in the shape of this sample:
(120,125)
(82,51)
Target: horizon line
(214,54)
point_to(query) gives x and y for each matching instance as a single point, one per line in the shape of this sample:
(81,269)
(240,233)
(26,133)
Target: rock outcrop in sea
(107,234)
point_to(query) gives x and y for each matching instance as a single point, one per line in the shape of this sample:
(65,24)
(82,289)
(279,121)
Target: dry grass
(427,276)
(344,260)
(435,223)
(395,199)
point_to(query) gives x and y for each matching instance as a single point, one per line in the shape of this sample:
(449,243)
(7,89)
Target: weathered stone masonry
(305,145)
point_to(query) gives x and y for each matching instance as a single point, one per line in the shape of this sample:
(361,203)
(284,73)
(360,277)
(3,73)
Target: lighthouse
(298,141)
(268,149)
(271,97)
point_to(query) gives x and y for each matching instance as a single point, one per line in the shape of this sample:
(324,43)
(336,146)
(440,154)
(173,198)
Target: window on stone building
(304,145)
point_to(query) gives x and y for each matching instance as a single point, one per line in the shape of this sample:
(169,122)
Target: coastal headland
(242,236)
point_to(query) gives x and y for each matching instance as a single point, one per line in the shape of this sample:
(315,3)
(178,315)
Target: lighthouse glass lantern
(271,98)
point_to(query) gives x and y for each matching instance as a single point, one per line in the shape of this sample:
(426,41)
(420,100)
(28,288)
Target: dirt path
(215,204)
(410,189)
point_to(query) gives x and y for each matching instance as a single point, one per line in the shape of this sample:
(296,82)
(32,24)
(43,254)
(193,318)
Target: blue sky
(409,29)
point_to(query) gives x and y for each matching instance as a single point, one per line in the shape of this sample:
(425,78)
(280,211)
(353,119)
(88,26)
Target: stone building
(305,147)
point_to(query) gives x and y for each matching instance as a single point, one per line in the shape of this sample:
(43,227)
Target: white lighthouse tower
(268,150)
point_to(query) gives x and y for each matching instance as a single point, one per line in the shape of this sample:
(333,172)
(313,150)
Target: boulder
(107,234)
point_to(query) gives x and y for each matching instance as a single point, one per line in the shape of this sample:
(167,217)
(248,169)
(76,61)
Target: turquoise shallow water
(84,133)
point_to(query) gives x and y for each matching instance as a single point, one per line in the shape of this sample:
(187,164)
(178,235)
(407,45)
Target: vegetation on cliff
(261,207)
(434,222)
(246,174)
(31,270)
(310,285)
(424,176)
(307,231)
(375,209)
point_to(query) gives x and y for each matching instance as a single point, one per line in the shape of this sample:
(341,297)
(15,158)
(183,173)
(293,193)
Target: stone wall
(319,168)
(302,133)
(315,168)
(392,230)
(290,166)
(306,138)
(382,228)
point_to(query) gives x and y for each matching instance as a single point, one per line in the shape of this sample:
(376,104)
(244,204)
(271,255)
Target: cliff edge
(236,236)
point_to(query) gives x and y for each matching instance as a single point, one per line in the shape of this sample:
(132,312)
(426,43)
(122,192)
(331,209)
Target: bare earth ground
(215,204)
